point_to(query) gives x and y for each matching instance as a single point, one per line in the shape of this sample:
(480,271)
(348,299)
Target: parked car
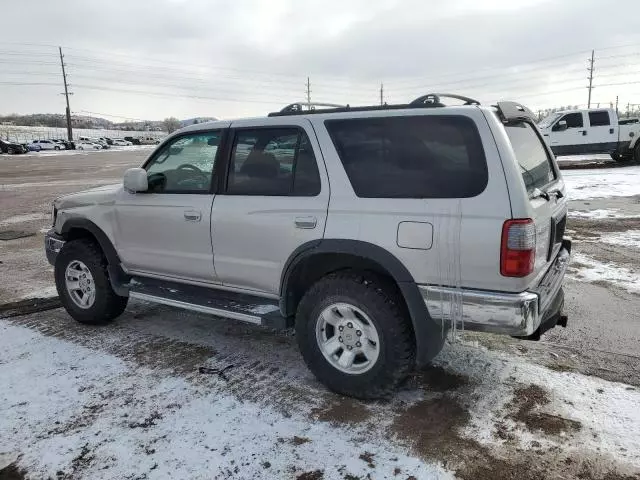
(85,145)
(107,140)
(12,148)
(121,143)
(591,130)
(372,230)
(148,141)
(49,145)
(34,147)
(67,144)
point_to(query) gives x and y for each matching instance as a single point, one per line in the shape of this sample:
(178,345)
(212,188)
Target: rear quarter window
(532,157)
(434,156)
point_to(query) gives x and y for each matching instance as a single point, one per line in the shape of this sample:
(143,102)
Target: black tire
(636,152)
(107,305)
(56,148)
(385,309)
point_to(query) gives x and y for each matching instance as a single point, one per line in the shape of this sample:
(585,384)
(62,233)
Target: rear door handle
(192,215)
(306,222)
(584,132)
(611,130)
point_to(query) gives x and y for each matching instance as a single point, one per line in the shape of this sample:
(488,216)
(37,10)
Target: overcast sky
(188,58)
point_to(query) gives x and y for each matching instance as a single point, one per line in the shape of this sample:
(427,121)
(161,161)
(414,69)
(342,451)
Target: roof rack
(431,100)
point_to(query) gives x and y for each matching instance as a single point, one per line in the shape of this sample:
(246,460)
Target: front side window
(430,156)
(599,119)
(274,162)
(574,120)
(533,160)
(185,165)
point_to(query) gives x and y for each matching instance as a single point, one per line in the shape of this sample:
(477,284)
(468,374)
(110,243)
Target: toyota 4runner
(372,230)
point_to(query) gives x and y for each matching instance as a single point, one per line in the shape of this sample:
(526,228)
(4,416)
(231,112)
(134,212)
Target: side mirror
(561,126)
(135,180)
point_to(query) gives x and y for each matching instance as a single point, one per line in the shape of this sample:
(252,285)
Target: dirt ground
(431,416)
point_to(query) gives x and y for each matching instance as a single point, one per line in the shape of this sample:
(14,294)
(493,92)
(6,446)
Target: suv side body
(435,257)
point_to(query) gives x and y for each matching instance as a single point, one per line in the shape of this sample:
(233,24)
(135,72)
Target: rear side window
(532,157)
(411,157)
(599,119)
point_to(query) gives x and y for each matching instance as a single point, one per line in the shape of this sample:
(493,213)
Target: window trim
(231,139)
(216,160)
(466,118)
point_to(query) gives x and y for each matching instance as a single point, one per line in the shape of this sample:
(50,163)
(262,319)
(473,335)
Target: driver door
(166,231)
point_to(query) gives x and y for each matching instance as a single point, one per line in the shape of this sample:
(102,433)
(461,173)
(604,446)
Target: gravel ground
(491,407)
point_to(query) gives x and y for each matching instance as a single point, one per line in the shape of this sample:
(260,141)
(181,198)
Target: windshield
(547,121)
(531,155)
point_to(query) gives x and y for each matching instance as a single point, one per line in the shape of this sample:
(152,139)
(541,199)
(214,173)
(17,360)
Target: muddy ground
(264,367)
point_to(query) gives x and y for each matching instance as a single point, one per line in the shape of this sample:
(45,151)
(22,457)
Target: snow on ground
(585,268)
(60,183)
(28,217)
(582,158)
(60,400)
(55,153)
(629,238)
(599,214)
(605,182)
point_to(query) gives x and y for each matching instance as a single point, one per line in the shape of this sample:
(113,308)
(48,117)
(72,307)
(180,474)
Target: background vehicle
(595,130)
(12,148)
(86,145)
(133,140)
(121,143)
(106,140)
(65,143)
(49,145)
(373,230)
(148,141)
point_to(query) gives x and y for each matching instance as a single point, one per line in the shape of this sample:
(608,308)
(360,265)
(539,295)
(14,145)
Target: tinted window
(273,161)
(532,157)
(598,119)
(411,157)
(574,120)
(185,164)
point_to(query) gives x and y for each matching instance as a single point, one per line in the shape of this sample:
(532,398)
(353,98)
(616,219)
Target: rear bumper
(517,314)
(53,243)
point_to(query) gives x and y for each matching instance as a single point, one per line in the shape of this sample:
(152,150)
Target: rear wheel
(83,283)
(636,152)
(56,148)
(355,335)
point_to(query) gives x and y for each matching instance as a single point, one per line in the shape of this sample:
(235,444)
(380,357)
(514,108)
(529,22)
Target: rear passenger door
(603,135)
(274,199)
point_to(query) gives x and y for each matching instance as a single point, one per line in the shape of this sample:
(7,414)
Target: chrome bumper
(518,314)
(53,243)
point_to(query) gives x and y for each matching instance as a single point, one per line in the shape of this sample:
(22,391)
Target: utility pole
(66,95)
(381,94)
(617,114)
(308,92)
(590,69)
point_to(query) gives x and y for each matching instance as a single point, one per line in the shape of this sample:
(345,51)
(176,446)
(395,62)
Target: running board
(237,306)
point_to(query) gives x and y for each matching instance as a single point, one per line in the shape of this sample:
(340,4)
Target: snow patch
(606,182)
(630,238)
(599,214)
(591,270)
(28,217)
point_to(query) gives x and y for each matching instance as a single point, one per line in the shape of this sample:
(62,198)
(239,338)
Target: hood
(104,195)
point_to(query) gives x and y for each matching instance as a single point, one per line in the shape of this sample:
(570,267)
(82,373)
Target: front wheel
(83,285)
(636,152)
(355,335)
(56,148)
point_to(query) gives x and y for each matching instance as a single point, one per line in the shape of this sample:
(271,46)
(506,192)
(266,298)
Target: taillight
(518,248)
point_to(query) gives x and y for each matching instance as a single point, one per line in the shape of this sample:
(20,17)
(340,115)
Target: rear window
(435,156)
(532,157)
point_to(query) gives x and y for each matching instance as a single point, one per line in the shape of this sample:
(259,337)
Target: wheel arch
(76,228)
(316,259)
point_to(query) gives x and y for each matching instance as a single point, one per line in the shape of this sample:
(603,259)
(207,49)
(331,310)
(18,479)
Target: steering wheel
(188,166)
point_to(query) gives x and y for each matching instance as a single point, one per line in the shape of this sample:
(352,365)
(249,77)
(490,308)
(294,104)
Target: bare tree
(171,124)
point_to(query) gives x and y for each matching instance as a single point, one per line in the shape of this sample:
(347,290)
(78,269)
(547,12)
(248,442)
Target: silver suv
(372,230)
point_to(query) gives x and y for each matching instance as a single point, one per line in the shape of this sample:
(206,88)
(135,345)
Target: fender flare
(118,278)
(429,335)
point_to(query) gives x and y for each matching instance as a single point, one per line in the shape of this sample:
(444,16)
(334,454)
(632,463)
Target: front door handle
(306,222)
(192,215)
(611,130)
(584,132)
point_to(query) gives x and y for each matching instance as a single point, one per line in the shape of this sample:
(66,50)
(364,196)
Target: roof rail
(433,100)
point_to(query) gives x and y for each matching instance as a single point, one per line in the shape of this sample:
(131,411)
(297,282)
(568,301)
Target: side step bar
(237,306)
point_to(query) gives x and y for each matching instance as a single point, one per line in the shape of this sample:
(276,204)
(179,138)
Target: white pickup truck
(593,130)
